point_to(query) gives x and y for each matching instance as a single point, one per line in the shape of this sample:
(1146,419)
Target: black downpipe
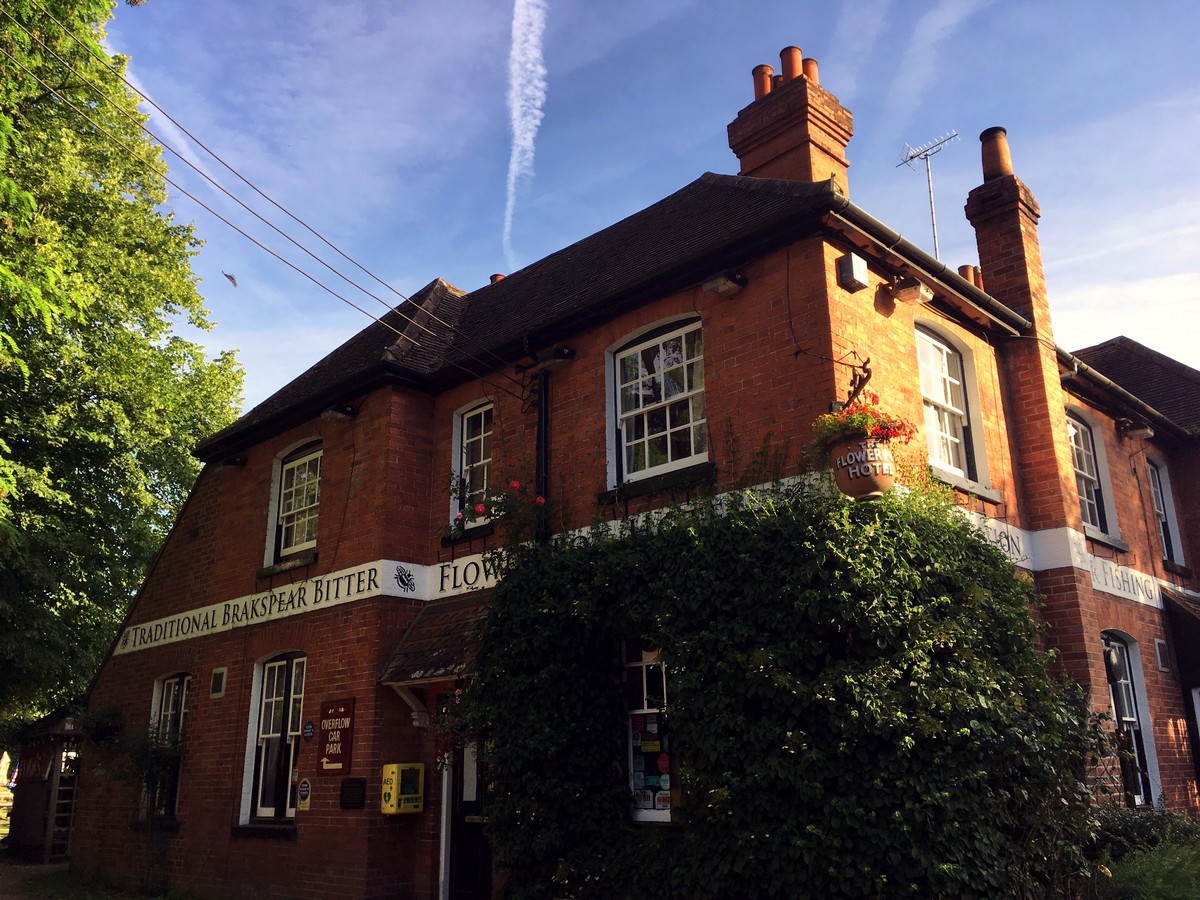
(542,472)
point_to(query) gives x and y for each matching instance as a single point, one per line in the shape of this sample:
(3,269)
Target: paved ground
(13,872)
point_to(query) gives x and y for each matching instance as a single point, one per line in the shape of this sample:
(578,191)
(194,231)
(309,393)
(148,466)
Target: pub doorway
(470,857)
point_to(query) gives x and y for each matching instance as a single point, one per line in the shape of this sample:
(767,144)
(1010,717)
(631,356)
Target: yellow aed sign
(403,789)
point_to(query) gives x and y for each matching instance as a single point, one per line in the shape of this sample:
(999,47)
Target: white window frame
(1098,480)
(974,474)
(461,501)
(296,454)
(1164,510)
(638,662)
(286,732)
(693,391)
(1134,714)
(169,709)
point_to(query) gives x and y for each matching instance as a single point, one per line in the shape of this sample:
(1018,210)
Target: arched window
(169,731)
(1164,512)
(1087,473)
(299,499)
(658,395)
(1127,719)
(651,760)
(277,735)
(474,462)
(947,418)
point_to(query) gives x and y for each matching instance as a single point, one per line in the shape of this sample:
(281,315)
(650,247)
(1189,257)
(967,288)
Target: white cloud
(1161,312)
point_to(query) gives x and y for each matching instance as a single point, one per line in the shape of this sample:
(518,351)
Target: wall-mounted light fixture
(911,290)
(339,412)
(1132,429)
(725,284)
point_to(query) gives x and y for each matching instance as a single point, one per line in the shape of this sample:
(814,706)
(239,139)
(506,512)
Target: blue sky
(386,127)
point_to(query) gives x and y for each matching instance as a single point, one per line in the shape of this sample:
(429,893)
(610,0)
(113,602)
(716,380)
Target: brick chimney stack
(1004,215)
(794,129)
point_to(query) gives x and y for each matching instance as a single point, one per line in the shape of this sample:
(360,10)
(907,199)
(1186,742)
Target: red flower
(480,509)
(514,485)
(540,501)
(458,517)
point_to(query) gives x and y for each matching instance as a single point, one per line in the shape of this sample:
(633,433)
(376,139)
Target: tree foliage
(101,399)
(854,693)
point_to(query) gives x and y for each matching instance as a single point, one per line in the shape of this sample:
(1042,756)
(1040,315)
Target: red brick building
(318,592)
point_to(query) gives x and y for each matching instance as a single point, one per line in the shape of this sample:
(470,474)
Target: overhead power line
(115,71)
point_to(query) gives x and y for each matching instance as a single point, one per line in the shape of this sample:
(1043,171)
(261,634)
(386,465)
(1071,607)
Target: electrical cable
(257,243)
(115,71)
(100,128)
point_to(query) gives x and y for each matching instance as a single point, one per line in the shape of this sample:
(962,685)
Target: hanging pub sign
(336,736)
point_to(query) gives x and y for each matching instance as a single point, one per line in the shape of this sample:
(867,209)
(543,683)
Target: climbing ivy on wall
(856,699)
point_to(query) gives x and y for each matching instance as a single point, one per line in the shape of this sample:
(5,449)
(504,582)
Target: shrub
(1121,830)
(855,696)
(1169,871)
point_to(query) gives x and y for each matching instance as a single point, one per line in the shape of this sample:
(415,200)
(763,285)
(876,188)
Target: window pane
(635,458)
(656,451)
(673,382)
(629,369)
(681,444)
(680,414)
(656,421)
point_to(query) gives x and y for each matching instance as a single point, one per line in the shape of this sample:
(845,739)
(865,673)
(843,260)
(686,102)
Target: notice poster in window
(650,761)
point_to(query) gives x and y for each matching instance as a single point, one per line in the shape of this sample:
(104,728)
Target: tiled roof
(406,344)
(716,222)
(441,642)
(1164,383)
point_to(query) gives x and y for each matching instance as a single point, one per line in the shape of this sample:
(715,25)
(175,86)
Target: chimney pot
(497,277)
(967,273)
(762,81)
(997,161)
(978,278)
(810,70)
(790,58)
(776,81)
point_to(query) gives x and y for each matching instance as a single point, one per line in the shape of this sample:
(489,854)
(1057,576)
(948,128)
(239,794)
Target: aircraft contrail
(526,96)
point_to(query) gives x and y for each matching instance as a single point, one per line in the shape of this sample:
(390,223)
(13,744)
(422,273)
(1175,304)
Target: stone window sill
(299,561)
(680,478)
(974,488)
(486,529)
(1108,540)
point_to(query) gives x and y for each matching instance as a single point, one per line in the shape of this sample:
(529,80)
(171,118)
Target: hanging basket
(862,466)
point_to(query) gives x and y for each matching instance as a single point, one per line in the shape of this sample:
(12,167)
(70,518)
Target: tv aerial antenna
(925,151)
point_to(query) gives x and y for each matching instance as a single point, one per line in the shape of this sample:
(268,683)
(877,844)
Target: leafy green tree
(101,399)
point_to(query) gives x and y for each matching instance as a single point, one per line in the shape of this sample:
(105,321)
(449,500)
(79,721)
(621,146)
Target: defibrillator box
(403,788)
